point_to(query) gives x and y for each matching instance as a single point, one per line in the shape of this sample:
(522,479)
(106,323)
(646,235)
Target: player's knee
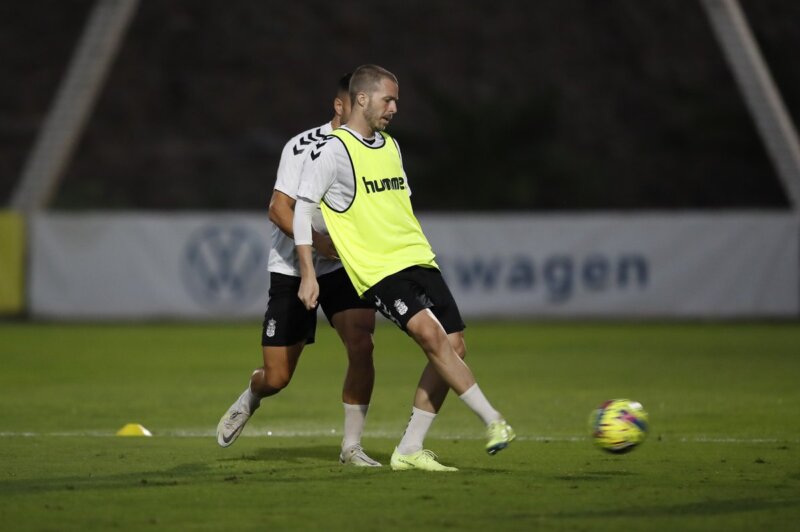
(269,381)
(359,351)
(278,380)
(360,346)
(456,340)
(430,337)
(460,348)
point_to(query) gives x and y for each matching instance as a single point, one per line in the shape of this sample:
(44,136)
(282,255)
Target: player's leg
(355,328)
(499,433)
(430,394)
(276,373)
(432,388)
(280,363)
(428,400)
(413,293)
(354,321)
(459,378)
(288,327)
(426,330)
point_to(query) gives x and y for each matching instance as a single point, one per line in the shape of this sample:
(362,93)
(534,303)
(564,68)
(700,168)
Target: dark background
(504,105)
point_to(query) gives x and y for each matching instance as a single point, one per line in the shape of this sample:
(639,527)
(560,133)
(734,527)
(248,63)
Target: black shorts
(287,321)
(336,293)
(401,295)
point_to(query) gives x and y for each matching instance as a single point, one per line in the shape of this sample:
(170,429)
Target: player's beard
(374,116)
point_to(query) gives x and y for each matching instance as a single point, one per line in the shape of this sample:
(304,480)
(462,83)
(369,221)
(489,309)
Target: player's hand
(323,244)
(309,292)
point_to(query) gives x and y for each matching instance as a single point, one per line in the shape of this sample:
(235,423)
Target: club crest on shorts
(400,307)
(270,328)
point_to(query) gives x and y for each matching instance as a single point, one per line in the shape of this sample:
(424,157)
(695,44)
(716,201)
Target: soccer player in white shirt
(289,326)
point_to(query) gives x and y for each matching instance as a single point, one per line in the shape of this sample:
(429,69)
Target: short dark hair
(344,84)
(366,79)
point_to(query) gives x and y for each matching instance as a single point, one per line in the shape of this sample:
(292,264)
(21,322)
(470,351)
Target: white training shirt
(328,174)
(282,254)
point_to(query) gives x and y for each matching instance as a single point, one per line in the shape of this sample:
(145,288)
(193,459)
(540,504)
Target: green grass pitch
(723,452)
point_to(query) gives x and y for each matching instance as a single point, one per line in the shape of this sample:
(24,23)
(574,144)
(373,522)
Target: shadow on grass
(327,456)
(715,507)
(279,464)
(180,474)
(595,475)
(297,454)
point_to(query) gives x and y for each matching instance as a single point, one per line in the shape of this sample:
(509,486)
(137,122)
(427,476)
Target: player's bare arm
(281,213)
(309,288)
(324,245)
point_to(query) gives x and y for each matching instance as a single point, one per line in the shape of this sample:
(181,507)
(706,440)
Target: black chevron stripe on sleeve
(316,151)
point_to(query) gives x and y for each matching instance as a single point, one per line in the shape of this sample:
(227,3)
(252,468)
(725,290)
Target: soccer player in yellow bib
(356,176)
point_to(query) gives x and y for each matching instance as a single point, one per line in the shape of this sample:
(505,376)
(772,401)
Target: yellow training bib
(378,234)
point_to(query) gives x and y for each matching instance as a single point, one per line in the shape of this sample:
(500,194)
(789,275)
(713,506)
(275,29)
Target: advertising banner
(211,266)
(618,265)
(109,266)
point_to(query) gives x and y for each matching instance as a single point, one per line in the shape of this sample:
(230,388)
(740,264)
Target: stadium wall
(103,266)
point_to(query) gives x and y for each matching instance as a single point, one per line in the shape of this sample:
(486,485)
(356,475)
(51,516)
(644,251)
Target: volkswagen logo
(225,267)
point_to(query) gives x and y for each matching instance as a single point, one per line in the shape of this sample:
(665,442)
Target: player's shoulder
(327,147)
(301,143)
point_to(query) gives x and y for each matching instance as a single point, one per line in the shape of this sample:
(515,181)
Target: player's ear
(338,107)
(361,99)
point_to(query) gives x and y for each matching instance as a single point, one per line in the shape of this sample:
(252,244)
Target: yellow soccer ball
(619,425)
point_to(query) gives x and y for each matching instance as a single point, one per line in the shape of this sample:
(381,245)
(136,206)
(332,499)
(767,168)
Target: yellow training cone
(133,429)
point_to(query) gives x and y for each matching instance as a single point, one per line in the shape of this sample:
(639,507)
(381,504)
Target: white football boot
(234,420)
(355,456)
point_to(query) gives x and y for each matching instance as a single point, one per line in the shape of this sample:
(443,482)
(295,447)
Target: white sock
(415,432)
(253,401)
(354,418)
(478,403)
